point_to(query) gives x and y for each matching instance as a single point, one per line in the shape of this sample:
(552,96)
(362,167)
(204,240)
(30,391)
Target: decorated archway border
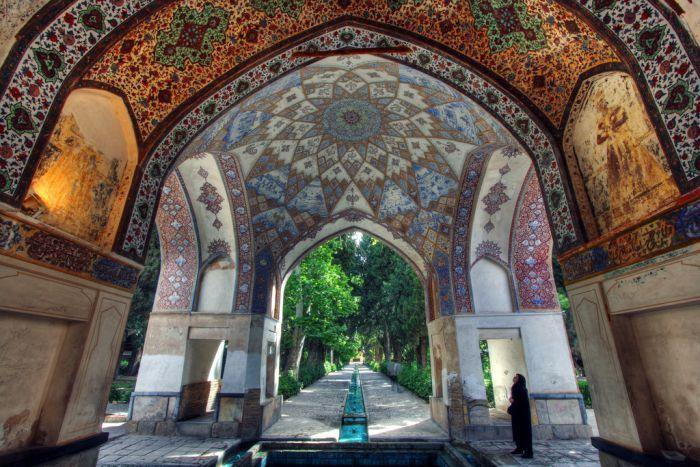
(231,173)
(646,32)
(438,265)
(352,216)
(514,116)
(469,189)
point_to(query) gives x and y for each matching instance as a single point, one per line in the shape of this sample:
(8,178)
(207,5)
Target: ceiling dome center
(352,120)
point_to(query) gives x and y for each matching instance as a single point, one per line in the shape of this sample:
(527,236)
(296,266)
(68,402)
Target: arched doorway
(538,76)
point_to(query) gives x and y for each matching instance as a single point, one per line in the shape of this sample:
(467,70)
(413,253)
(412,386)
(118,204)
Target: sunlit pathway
(314,413)
(394,412)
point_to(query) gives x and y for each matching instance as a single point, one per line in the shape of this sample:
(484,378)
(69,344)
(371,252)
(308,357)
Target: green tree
(318,300)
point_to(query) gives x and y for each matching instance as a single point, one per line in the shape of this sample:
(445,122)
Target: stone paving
(314,413)
(164,451)
(394,412)
(555,453)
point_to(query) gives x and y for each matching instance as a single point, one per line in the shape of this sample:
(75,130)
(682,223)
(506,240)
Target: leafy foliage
(145,294)
(416,379)
(486,366)
(325,290)
(120,391)
(585,391)
(288,385)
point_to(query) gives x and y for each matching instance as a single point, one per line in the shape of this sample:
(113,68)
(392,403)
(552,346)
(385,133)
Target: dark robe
(519,411)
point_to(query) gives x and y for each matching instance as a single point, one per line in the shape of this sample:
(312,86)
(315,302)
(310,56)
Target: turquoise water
(354,425)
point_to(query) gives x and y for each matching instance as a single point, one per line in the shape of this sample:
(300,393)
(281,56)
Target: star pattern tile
(353,133)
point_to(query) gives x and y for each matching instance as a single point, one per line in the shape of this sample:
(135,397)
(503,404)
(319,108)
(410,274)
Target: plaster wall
(669,344)
(28,350)
(546,349)
(163,361)
(59,341)
(200,360)
(215,289)
(443,346)
(507,359)
(14,15)
(639,328)
(691,17)
(491,287)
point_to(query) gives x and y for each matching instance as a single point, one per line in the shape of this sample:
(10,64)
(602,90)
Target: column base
(81,452)
(614,455)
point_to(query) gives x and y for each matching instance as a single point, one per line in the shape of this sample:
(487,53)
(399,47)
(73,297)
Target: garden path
(314,413)
(395,413)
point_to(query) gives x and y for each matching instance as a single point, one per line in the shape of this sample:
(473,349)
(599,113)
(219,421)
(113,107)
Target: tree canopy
(356,295)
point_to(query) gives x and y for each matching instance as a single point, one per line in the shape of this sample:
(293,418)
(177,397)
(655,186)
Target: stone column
(639,331)
(155,401)
(61,328)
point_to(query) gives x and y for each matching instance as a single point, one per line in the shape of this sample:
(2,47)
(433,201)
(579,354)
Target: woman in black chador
(519,411)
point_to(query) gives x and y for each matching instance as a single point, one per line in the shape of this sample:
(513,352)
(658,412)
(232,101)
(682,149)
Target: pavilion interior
(483,140)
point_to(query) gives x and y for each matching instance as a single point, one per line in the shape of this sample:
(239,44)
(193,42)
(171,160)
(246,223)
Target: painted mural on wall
(665,232)
(641,25)
(203,215)
(624,169)
(27,242)
(523,40)
(13,15)
(501,216)
(76,184)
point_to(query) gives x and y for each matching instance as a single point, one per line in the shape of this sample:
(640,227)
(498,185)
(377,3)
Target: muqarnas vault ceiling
(354,134)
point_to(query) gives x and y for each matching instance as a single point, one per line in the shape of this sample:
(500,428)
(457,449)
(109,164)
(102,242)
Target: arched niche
(216,285)
(492,287)
(619,169)
(510,228)
(84,175)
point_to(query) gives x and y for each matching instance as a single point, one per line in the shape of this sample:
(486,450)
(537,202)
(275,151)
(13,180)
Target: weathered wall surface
(85,172)
(28,348)
(15,13)
(691,17)
(507,359)
(639,331)
(59,341)
(669,344)
(492,287)
(624,169)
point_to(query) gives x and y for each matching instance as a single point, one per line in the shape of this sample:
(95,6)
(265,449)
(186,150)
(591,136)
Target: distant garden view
(350,297)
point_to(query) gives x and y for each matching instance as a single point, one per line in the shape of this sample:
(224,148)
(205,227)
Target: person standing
(519,411)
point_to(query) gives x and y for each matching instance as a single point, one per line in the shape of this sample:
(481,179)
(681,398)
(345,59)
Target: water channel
(353,427)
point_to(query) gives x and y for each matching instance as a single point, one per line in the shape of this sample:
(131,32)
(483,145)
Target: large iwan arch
(473,144)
